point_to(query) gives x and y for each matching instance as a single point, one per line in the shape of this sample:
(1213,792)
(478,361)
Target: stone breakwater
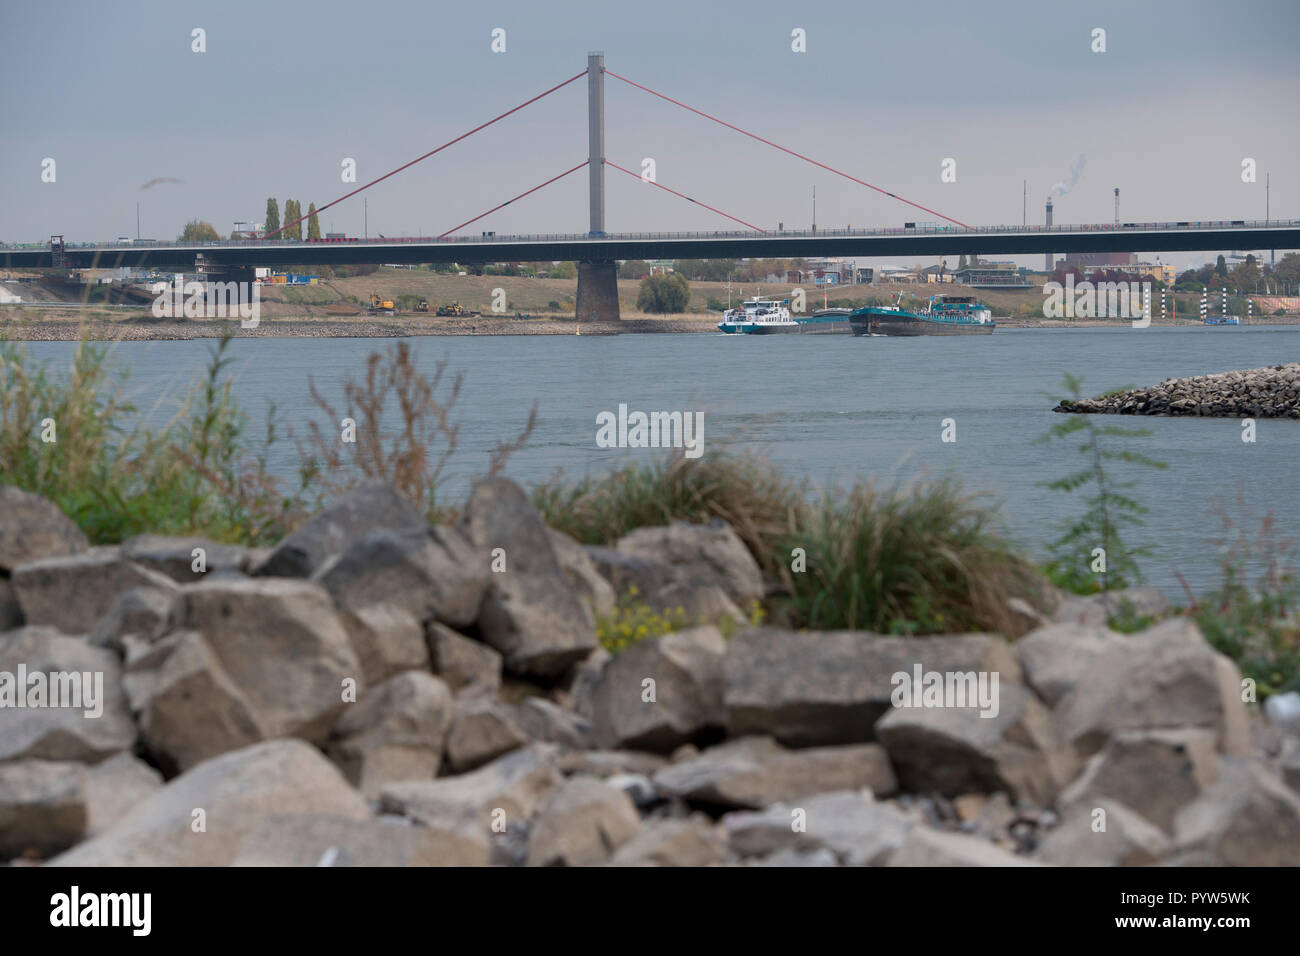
(1269,392)
(378,691)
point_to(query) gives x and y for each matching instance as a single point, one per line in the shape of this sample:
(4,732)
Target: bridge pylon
(597,279)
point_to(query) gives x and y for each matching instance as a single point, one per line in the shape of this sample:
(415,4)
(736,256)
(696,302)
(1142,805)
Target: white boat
(758,316)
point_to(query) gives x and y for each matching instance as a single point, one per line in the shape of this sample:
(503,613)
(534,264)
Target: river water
(823,408)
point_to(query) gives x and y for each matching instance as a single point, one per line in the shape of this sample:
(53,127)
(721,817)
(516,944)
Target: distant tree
(633,269)
(1287,270)
(196,231)
(1221,267)
(564,270)
(292,211)
(665,293)
(272,216)
(313,225)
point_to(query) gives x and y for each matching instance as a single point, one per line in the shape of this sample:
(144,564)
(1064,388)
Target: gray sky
(287,90)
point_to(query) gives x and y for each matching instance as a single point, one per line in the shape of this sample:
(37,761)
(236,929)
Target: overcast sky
(286,90)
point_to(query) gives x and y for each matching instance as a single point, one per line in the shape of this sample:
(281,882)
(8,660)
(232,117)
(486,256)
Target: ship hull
(911,325)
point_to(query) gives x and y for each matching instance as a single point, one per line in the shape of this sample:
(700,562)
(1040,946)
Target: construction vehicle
(379,306)
(422,305)
(457,310)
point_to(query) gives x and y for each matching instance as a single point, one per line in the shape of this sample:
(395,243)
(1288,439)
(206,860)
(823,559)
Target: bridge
(596,251)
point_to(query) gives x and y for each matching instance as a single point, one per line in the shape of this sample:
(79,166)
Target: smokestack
(1117,205)
(1047,265)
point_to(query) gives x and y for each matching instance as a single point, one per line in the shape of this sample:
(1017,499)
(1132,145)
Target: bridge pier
(598,291)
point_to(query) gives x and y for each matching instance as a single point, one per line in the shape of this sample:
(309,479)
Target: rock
(1289,763)
(73,592)
(1081,612)
(299,839)
(531,613)
(11,612)
(465,664)
(396,731)
(1127,840)
(849,824)
(1268,392)
(1056,656)
(1095,610)
(755,772)
(64,732)
(234,792)
(690,842)
(696,603)
(142,614)
(926,846)
(372,507)
(701,554)
(540,719)
(114,787)
(1164,677)
(431,573)
(42,806)
(387,639)
(686,668)
(191,709)
(1246,818)
(582,573)
(639,789)
(797,858)
(583,822)
(603,763)
(174,557)
(830,687)
(1160,771)
(481,730)
(33,528)
(268,658)
(955,749)
(516,784)
(1283,711)
(585,683)
(643,577)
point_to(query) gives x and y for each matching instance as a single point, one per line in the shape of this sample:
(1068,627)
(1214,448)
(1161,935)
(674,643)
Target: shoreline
(100,329)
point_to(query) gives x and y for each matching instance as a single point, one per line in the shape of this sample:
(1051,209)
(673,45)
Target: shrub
(668,292)
(927,558)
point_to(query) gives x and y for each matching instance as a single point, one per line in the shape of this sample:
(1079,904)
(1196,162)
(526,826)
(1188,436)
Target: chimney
(1117,205)
(1047,264)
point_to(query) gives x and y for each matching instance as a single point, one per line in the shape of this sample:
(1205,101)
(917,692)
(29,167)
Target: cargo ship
(763,317)
(944,315)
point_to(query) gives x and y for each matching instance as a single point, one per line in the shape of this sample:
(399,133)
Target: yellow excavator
(380,306)
(456,309)
(422,305)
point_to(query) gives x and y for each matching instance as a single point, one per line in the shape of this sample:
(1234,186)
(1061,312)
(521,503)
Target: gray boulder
(396,731)
(431,573)
(61,732)
(11,612)
(540,719)
(1126,840)
(387,639)
(482,729)
(1162,678)
(114,787)
(594,589)
(465,664)
(925,846)
(372,507)
(531,613)
(853,826)
(582,823)
(42,806)
(1248,817)
(694,841)
(686,670)
(755,772)
(32,528)
(301,839)
(140,614)
(201,817)
(1056,656)
(73,592)
(830,687)
(703,555)
(953,750)
(175,557)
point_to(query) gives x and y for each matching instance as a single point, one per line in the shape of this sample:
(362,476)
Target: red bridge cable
(576,76)
(509,201)
(783,149)
(686,197)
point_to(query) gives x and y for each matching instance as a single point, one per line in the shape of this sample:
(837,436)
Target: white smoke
(1076,173)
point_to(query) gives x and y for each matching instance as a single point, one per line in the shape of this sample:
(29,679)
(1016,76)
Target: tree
(564,270)
(669,292)
(633,269)
(292,211)
(1287,270)
(313,226)
(272,216)
(196,231)
(1221,267)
